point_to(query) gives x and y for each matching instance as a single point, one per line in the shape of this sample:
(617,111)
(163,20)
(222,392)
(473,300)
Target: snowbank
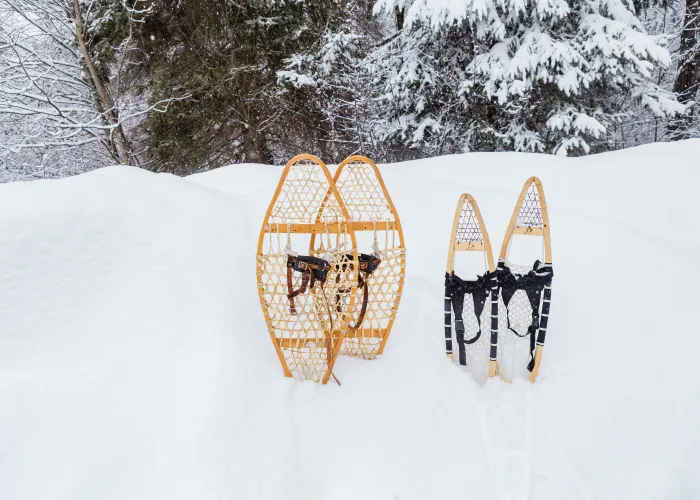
(135,364)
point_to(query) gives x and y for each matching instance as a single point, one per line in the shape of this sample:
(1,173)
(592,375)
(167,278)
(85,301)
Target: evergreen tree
(328,86)
(553,69)
(235,61)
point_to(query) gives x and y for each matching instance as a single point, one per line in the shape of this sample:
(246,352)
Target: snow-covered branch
(51,93)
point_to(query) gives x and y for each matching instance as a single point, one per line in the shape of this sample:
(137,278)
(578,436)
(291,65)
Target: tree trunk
(686,84)
(121,144)
(255,146)
(399,14)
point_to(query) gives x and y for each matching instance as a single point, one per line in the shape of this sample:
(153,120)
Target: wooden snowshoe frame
(306,202)
(469,234)
(530,218)
(376,224)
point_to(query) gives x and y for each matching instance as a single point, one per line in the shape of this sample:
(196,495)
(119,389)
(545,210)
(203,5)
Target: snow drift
(135,363)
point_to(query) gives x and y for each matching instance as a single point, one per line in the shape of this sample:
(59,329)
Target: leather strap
(306,277)
(365,299)
(290,286)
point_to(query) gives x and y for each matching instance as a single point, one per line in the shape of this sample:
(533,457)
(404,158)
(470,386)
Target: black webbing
(534,282)
(455,289)
(493,350)
(448,319)
(546,300)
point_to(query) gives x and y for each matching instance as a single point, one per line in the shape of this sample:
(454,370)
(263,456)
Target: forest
(184,86)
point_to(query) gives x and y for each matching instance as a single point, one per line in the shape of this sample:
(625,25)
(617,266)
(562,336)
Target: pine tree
(328,86)
(552,69)
(235,61)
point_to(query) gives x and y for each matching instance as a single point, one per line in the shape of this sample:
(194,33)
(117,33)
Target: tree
(328,86)
(687,80)
(417,74)
(236,59)
(541,77)
(53,94)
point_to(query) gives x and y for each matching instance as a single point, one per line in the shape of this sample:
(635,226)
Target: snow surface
(135,363)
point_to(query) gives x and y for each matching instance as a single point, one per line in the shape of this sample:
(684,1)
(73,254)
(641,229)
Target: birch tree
(54,103)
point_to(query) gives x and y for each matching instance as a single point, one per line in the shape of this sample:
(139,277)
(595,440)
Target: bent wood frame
(377,323)
(473,246)
(319,335)
(514,228)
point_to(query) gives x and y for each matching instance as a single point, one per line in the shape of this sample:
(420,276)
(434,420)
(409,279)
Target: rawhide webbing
(536,280)
(455,289)
(312,269)
(367,265)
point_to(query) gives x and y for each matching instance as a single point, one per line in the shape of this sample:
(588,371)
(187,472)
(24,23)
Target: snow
(135,363)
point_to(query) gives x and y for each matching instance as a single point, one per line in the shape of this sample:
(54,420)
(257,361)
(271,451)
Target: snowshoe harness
(536,280)
(455,289)
(314,269)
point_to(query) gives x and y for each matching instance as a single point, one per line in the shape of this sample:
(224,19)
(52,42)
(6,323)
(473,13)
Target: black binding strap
(493,351)
(455,289)
(448,317)
(536,280)
(312,269)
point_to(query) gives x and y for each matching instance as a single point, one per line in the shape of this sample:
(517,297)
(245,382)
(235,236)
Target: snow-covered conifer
(553,70)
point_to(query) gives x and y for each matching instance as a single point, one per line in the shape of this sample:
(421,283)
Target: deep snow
(135,363)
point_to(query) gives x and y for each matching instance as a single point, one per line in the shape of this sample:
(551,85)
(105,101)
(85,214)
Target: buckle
(368,263)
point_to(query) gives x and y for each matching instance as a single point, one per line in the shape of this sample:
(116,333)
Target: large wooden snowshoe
(307,268)
(380,240)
